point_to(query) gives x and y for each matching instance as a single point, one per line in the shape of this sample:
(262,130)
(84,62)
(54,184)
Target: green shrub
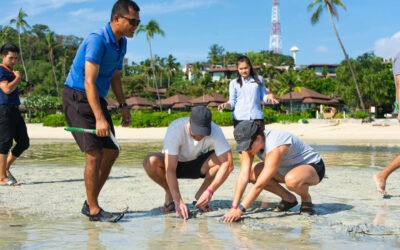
(54,121)
(222,118)
(360,115)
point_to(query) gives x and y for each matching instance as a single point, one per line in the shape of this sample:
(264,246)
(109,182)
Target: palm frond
(316,15)
(311,5)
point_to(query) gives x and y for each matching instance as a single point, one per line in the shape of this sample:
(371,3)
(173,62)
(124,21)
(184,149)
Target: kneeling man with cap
(285,159)
(187,154)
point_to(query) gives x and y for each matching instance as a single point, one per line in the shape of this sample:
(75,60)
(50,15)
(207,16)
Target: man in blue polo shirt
(12,125)
(95,69)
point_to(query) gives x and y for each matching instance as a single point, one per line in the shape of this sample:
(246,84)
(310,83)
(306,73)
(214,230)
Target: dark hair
(252,72)
(121,7)
(8,47)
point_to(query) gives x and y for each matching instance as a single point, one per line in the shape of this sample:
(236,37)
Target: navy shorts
(191,169)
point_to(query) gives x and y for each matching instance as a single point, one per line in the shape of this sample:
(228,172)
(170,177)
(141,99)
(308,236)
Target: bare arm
(116,86)
(243,178)
(9,87)
(171,162)
(271,165)
(225,169)
(91,73)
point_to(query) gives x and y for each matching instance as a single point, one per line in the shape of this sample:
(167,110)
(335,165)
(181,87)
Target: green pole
(92,131)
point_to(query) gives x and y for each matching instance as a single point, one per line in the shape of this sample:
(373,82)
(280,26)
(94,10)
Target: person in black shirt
(12,125)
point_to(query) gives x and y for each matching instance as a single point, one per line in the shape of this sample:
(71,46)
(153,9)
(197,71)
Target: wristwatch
(122,105)
(242,208)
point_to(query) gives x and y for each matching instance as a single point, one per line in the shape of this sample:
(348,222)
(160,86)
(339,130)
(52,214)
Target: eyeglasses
(133,21)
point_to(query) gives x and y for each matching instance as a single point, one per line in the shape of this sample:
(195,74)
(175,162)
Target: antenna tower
(275,40)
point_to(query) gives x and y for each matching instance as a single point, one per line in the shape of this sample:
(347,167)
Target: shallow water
(260,228)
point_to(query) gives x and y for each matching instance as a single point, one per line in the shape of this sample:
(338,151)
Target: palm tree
(287,83)
(20,23)
(332,10)
(151,29)
(51,45)
(5,34)
(171,66)
(195,68)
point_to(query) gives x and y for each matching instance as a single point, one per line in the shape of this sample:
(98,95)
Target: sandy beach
(313,131)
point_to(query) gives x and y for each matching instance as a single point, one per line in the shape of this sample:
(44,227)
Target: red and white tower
(275,40)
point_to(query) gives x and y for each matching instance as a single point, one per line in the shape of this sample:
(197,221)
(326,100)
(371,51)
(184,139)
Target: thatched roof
(176,99)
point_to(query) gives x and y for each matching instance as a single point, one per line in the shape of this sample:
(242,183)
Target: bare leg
(109,157)
(380,178)
(300,179)
(93,164)
(10,160)
(3,166)
(155,168)
(273,185)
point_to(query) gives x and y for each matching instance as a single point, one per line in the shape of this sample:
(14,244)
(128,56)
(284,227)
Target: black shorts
(78,113)
(12,127)
(320,168)
(191,169)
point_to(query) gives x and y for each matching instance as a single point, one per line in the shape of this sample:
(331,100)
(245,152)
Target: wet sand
(44,212)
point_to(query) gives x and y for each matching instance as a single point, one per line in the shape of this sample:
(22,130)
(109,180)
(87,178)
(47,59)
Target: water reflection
(132,154)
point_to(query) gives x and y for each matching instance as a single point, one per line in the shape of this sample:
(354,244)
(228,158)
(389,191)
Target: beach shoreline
(325,131)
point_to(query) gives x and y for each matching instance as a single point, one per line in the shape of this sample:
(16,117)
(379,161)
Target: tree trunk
(54,72)
(291,107)
(154,73)
(348,61)
(22,58)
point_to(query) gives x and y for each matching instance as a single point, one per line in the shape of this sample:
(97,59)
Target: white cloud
(321,49)
(388,47)
(175,5)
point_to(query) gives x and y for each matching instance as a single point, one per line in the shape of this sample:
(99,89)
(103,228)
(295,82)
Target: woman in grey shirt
(285,159)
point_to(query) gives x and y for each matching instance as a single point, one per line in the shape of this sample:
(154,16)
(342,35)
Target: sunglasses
(133,21)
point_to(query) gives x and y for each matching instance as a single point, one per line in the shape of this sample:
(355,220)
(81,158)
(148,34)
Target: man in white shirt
(187,155)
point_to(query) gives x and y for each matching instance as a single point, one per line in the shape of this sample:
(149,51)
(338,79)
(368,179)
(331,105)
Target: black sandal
(168,205)
(285,206)
(307,208)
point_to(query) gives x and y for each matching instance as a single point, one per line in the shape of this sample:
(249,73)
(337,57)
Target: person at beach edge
(12,125)
(381,177)
(187,155)
(285,159)
(95,69)
(246,93)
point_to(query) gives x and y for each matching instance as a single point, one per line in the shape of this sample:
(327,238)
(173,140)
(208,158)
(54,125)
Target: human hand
(233,215)
(102,127)
(271,98)
(398,117)
(126,117)
(222,106)
(17,75)
(181,210)
(204,199)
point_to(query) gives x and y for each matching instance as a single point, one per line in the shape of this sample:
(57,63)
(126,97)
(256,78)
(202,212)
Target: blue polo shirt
(6,76)
(99,47)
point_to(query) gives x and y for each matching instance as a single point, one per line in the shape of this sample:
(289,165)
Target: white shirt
(178,141)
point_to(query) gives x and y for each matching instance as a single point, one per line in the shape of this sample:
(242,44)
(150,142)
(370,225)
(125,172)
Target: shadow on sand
(73,180)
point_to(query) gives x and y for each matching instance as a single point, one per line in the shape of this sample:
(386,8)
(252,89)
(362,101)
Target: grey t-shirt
(299,152)
(396,71)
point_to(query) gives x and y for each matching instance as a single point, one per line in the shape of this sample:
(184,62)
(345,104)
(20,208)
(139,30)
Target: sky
(192,26)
